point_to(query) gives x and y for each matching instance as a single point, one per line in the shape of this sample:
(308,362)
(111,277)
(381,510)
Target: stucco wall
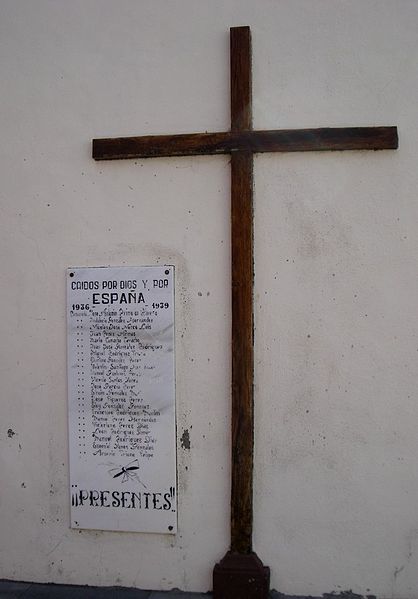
(336,482)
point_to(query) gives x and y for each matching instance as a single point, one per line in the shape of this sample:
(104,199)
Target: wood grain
(241,75)
(242,268)
(282,140)
(242,351)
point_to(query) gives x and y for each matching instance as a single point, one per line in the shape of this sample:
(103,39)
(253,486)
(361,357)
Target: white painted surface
(336,283)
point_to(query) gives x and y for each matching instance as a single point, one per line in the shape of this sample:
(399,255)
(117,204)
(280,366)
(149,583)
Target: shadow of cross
(241,574)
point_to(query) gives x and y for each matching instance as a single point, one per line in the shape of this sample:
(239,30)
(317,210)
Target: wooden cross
(241,575)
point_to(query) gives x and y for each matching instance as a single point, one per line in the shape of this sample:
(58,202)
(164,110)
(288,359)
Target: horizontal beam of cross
(282,140)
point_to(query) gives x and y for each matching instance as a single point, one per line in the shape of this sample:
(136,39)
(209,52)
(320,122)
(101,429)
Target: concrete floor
(27,590)
(18,590)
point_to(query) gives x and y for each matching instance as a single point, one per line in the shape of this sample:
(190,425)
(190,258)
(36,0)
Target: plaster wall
(336,483)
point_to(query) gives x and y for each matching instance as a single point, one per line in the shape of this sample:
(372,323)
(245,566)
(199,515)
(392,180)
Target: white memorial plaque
(121,398)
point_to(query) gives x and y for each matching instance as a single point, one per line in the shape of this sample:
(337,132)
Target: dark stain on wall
(185,439)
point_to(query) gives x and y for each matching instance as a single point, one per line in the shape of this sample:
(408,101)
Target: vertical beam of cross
(242,265)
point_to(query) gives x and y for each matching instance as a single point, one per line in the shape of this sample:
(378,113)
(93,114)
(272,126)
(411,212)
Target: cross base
(241,575)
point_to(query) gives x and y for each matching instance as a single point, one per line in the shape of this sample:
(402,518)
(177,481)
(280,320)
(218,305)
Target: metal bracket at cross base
(241,576)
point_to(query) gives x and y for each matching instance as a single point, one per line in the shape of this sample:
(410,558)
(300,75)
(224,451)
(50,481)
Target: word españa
(118,298)
(122,499)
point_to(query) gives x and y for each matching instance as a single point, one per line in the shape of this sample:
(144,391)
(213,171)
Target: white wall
(336,281)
